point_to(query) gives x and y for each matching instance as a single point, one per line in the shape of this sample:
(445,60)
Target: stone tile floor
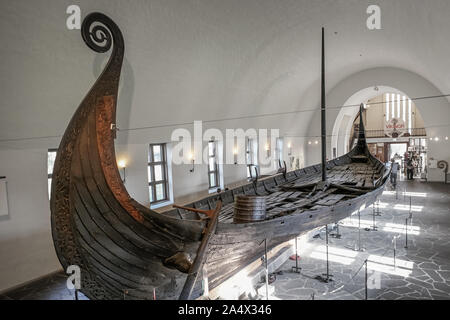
(422,271)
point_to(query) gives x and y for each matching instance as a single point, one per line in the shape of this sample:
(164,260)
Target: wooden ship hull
(128,251)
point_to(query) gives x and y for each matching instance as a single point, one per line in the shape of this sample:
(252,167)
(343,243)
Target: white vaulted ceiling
(208,59)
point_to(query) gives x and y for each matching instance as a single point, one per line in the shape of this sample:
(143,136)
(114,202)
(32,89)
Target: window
(213,168)
(387,107)
(393,105)
(251,157)
(158,183)
(51,156)
(403,105)
(279,152)
(409,117)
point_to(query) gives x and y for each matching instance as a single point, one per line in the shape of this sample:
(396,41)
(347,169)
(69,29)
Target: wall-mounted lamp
(446,138)
(436,139)
(267,148)
(289,148)
(316,142)
(191,157)
(309,142)
(235,152)
(122,164)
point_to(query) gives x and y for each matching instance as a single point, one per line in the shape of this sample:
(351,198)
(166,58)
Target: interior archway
(360,87)
(393,125)
(342,126)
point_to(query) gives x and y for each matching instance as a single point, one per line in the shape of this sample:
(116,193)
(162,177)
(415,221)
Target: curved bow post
(444,166)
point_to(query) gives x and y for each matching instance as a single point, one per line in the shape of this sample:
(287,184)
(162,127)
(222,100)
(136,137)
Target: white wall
(136,159)
(26,246)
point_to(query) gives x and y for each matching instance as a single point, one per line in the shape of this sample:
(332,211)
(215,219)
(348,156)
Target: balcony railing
(370,134)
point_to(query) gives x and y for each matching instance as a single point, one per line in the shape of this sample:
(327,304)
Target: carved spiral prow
(443,165)
(99,32)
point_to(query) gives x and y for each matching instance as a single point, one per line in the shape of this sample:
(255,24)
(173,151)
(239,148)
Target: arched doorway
(394,128)
(360,87)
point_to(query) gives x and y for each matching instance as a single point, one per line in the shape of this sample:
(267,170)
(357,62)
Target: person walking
(409,169)
(394,171)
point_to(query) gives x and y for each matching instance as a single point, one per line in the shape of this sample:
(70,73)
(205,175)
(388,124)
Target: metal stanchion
(374,227)
(296,269)
(395,256)
(267,269)
(360,249)
(76,294)
(359,230)
(328,263)
(406,233)
(378,212)
(410,209)
(394,242)
(326,277)
(366,279)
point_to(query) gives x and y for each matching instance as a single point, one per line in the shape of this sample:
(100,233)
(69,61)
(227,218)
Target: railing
(415,132)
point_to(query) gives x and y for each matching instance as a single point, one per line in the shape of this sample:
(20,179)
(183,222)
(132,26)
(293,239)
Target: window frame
(216,170)
(50,175)
(279,151)
(165,175)
(252,149)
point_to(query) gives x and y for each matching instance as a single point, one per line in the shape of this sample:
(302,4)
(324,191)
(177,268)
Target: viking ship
(125,249)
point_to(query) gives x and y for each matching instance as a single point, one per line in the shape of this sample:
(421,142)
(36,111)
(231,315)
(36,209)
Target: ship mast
(323,114)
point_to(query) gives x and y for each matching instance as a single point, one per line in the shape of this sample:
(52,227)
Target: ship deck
(300,191)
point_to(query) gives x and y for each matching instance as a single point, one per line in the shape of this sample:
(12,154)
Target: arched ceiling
(208,59)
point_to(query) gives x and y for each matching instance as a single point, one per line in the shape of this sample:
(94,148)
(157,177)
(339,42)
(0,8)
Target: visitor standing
(394,171)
